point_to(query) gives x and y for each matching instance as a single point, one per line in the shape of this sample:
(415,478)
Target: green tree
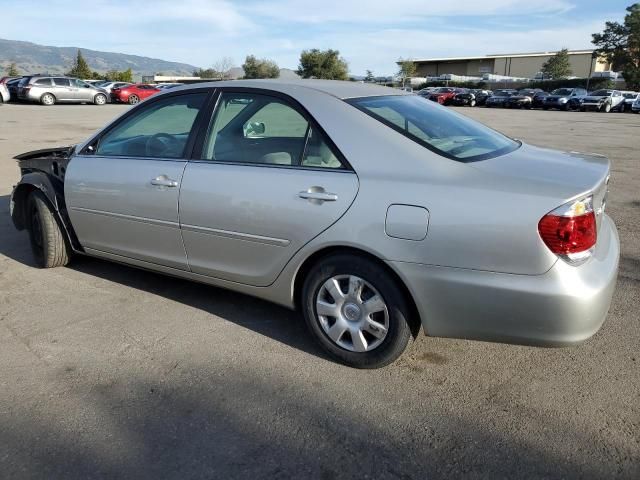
(12,70)
(205,73)
(327,64)
(116,76)
(80,68)
(407,69)
(369,77)
(620,45)
(558,66)
(260,68)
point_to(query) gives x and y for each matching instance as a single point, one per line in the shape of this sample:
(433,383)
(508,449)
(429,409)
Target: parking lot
(112,372)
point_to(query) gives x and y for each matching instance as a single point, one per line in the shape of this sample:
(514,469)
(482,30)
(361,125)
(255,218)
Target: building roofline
(501,55)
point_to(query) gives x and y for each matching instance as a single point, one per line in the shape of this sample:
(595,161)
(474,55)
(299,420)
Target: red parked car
(133,94)
(444,95)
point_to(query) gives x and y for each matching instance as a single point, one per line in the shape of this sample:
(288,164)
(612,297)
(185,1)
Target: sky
(370,35)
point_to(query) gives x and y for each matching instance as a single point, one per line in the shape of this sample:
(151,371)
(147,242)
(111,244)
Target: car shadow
(265,318)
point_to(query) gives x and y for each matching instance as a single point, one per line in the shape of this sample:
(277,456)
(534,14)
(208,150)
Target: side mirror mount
(254,129)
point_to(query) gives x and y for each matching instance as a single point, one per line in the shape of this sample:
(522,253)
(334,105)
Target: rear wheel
(47,240)
(100,99)
(133,99)
(47,99)
(356,311)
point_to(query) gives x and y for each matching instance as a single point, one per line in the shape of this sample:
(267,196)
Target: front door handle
(164,181)
(318,195)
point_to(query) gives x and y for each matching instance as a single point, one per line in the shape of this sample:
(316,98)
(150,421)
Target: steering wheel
(159,144)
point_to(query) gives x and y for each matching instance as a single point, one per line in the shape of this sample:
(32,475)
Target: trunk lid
(556,177)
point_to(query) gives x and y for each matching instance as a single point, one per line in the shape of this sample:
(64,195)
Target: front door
(122,191)
(63,89)
(267,184)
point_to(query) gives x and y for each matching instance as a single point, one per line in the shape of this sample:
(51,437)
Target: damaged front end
(43,170)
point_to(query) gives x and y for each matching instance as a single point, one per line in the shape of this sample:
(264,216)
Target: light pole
(594,56)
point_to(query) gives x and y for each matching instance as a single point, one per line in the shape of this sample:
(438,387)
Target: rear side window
(61,82)
(159,130)
(261,129)
(447,133)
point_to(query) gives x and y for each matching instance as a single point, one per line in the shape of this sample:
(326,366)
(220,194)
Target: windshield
(502,93)
(447,133)
(562,91)
(630,95)
(601,93)
(443,90)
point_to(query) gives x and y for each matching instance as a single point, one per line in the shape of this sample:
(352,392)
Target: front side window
(160,130)
(260,129)
(445,132)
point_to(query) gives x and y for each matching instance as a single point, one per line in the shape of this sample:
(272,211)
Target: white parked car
(629,99)
(602,101)
(4,93)
(108,86)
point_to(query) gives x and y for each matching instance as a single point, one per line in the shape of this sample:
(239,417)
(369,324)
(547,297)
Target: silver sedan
(374,212)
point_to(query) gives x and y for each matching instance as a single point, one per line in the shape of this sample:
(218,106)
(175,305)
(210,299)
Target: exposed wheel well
(20,220)
(20,203)
(414,322)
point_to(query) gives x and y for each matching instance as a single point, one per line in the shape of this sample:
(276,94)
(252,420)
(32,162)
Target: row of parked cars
(603,100)
(52,89)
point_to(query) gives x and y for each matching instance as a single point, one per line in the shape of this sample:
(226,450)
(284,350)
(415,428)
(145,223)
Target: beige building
(525,65)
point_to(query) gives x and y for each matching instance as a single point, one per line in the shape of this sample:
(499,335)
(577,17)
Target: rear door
(122,190)
(267,182)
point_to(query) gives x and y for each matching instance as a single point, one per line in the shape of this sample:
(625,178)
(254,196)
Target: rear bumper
(566,305)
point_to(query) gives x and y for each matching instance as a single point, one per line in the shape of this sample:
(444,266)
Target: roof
(337,88)
(500,55)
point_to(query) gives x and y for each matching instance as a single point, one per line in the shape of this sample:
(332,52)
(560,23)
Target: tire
(48,99)
(47,240)
(372,350)
(472,103)
(582,109)
(545,108)
(606,108)
(100,99)
(133,99)
(622,108)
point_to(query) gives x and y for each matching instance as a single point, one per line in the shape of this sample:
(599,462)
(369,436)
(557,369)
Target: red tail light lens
(570,231)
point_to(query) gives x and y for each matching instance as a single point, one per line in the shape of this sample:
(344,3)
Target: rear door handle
(164,181)
(318,195)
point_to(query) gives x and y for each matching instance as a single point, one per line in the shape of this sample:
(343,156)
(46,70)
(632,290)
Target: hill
(34,58)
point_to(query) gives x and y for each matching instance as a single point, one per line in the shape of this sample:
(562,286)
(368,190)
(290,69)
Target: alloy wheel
(352,313)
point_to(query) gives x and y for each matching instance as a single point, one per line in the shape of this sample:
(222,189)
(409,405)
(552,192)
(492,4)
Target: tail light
(570,230)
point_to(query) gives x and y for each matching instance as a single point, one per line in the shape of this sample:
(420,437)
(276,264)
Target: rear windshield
(439,129)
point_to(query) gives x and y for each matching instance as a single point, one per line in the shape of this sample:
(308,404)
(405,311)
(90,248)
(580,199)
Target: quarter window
(260,129)
(160,130)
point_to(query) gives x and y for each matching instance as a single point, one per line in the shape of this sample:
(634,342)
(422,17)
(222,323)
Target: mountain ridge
(35,58)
